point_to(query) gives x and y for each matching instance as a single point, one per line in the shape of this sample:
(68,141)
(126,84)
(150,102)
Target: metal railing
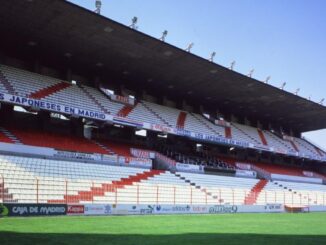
(47,190)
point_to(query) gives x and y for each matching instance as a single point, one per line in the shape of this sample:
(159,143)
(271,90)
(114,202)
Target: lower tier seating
(33,180)
(57,141)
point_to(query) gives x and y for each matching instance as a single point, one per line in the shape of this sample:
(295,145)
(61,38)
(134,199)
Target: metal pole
(36,190)
(93,192)
(157,195)
(66,191)
(174,190)
(265,197)
(3,189)
(137,194)
(116,194)
(190,195)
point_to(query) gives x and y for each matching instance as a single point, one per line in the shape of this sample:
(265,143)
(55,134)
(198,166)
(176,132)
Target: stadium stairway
(262,137)
(195,185)
(181,119)
(7,137)
(251,198)
(110,151)
(206,123)
(89,95)
(156,114)
(100,191)
(228,132)
(116,148)
(124,112)
(7,85)
(42,93)
(294,146)
(5,196)
(246,134)
(304,197)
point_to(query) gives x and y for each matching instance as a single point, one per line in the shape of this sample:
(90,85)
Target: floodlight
(188,49)
(211,59)
(98,5)
(164,34)
(283,85)
(267,79)
(232,65)
(134,21)
(322,101)
(297,91)
(251,72)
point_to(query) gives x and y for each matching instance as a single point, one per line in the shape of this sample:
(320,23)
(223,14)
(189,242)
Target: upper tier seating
(276,142)
(26,83)
(142,113)
(306,147)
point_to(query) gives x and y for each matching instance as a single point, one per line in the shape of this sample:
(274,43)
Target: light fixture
(283,85)
(297,91)
(211,58)
(232,65)
(188,49)
(251,72)
(322,101)
(134,21)
(267,79)
(98,5)
(164,34)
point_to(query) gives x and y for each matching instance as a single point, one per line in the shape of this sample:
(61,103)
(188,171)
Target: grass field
(264,229)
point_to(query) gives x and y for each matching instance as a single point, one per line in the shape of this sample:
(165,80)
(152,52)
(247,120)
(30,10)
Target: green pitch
(170,229)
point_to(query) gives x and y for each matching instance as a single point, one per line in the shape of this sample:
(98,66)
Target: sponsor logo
(107,209)
(3,210)
(181,208)
(35,209)
(148,210)
(219,209)
(199,209)
(273,207)
(75,209)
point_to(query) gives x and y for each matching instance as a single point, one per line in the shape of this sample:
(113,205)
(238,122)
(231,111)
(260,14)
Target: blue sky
(281,38)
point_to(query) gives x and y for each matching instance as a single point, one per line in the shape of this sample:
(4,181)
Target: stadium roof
(58,29)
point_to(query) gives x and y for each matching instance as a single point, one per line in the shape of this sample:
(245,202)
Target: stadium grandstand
(95,112)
